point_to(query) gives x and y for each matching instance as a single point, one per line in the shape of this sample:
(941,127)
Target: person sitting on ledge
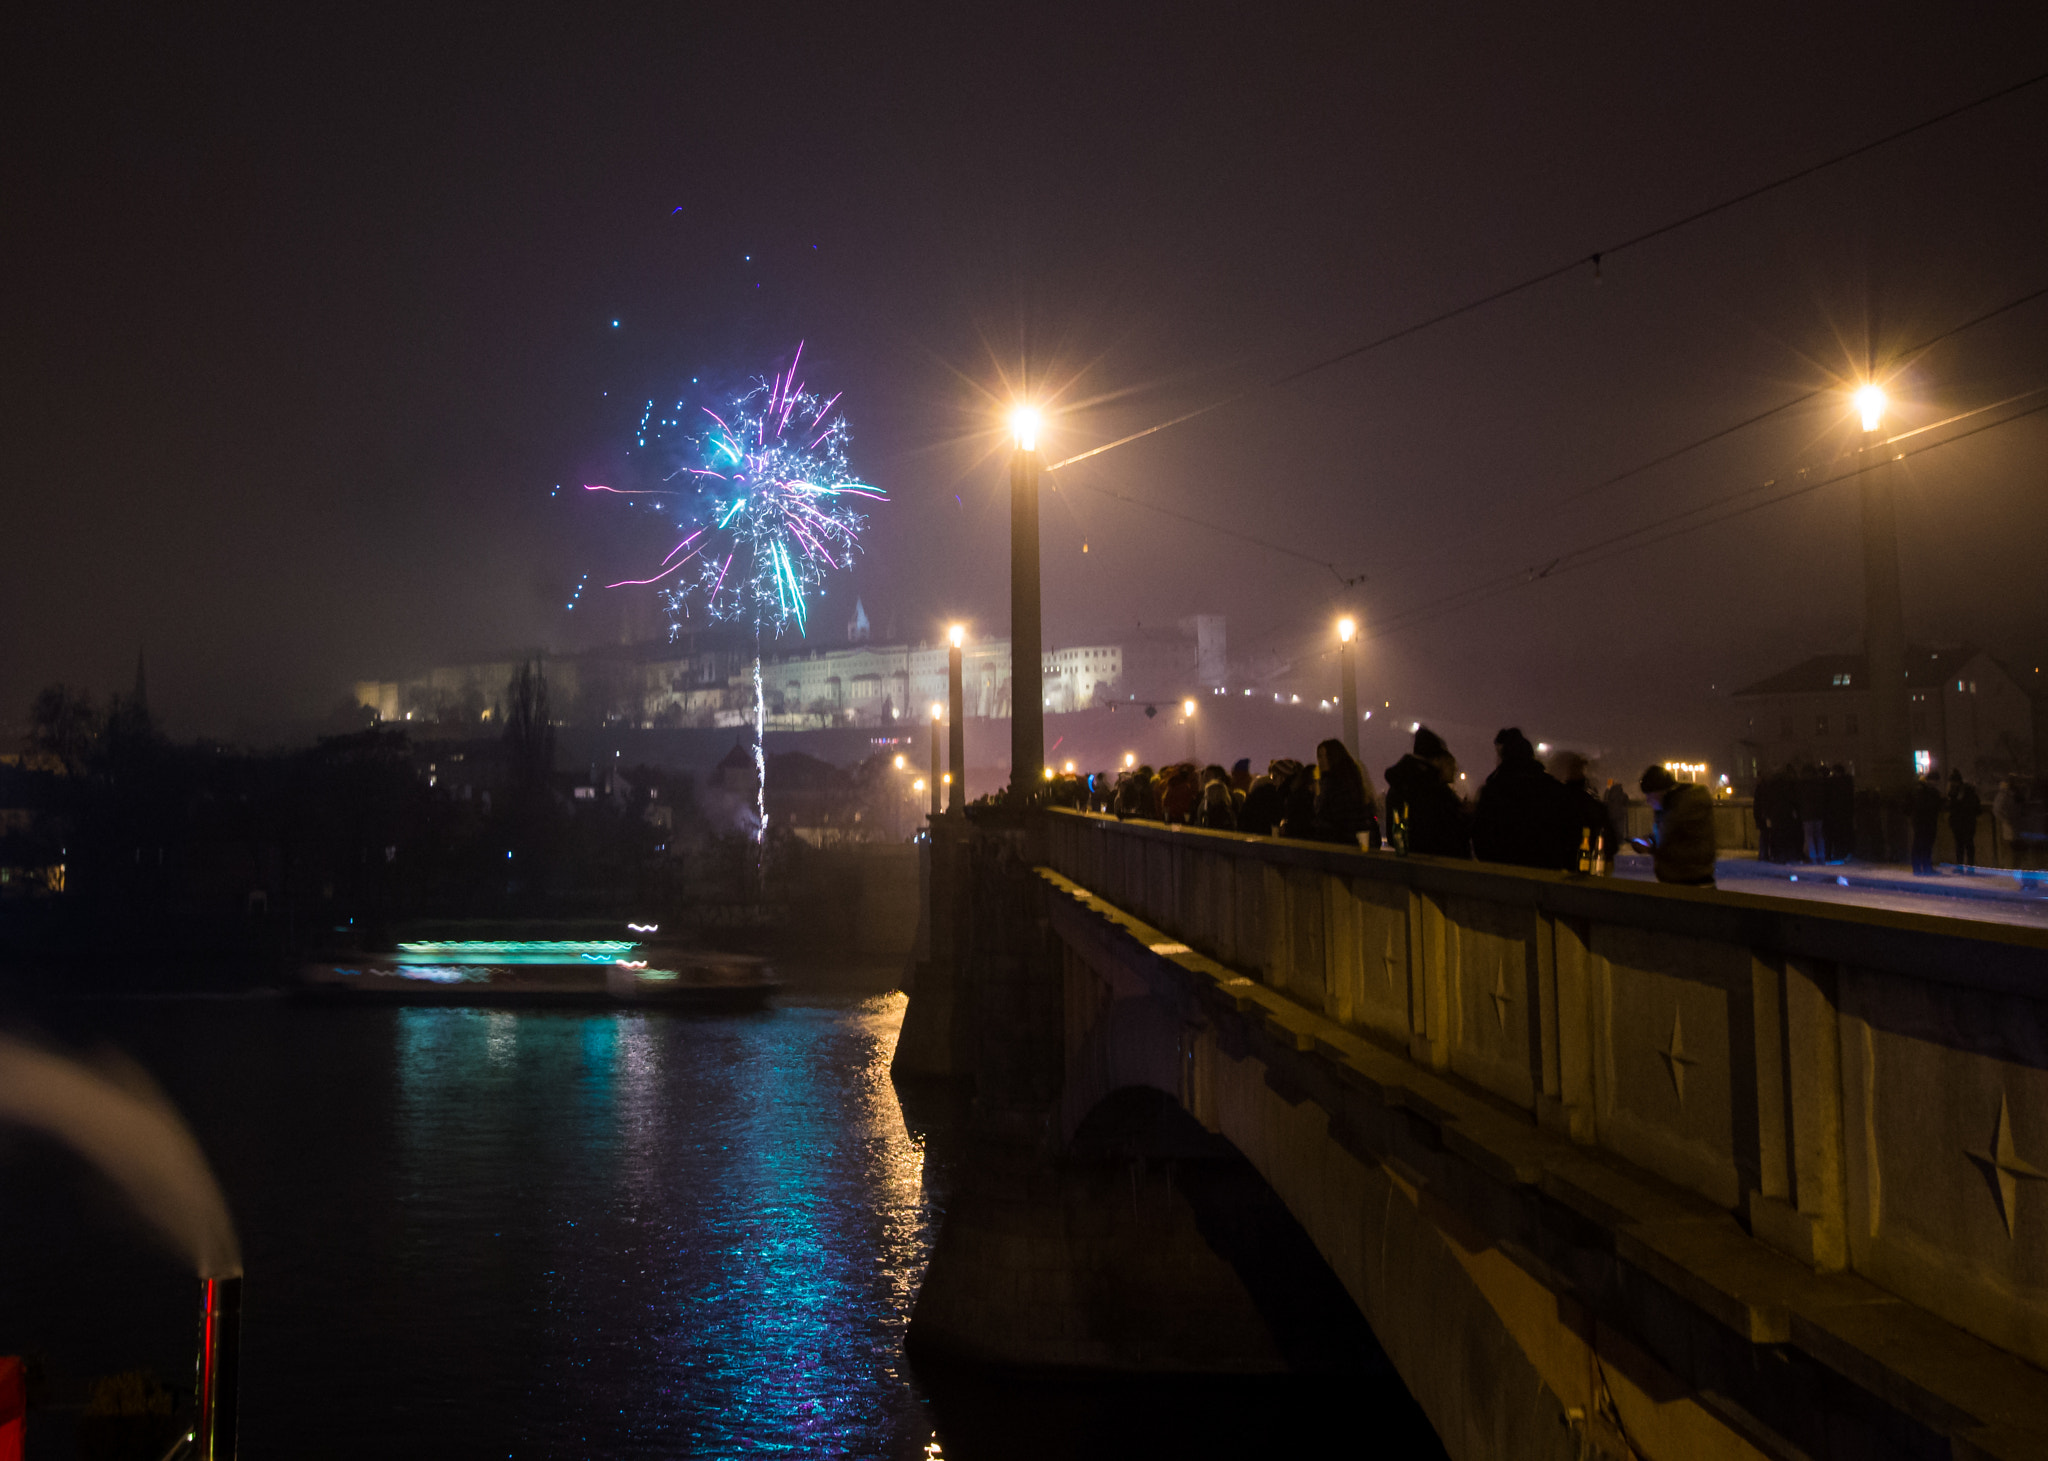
(1683,842)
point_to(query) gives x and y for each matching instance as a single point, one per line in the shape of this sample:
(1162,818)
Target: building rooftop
(1925,668)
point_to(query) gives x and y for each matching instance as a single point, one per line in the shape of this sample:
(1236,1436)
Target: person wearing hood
(1523,815)
(1214,808)
(1424,814)
(1683,843)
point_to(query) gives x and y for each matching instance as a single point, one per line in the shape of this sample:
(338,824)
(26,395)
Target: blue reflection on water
(733,1217)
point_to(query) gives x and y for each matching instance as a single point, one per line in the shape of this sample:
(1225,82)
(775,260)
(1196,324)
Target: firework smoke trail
(773,506)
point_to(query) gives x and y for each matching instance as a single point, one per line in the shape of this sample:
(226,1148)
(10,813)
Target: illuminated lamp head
(1024,427)
(1870,403)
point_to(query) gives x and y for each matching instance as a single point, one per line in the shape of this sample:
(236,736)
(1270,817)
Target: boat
(589,973)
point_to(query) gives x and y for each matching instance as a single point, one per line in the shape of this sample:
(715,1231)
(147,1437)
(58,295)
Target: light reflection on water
(548,1235)
(733,1210)
(533,1234)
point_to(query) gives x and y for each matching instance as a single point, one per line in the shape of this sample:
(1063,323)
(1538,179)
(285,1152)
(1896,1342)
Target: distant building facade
(1967,713)
(708,680)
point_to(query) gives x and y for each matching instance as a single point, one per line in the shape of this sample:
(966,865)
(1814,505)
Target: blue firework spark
(776,506)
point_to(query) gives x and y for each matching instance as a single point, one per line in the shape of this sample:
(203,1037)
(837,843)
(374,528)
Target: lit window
(1923,762)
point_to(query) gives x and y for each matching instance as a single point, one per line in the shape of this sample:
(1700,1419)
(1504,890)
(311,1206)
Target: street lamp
(1027,665)
(938,714)
(956,735)
(1347,682)
(1884,616)
(1187,717)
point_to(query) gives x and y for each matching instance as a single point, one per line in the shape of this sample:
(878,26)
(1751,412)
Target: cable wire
(1559,271)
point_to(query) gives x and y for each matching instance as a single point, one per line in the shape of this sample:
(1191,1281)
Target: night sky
(308,313)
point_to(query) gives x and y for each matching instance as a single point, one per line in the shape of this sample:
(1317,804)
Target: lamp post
(1347,682)
(938,713)
(1187,718)
(956,733)
(1884,620)
(1027,665)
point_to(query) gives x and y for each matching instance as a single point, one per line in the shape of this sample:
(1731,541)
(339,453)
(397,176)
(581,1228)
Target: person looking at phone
(1683,842)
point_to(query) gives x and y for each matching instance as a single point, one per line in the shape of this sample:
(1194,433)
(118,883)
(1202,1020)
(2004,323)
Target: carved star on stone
(1675,1057)
(1500,996)
(2003,1167)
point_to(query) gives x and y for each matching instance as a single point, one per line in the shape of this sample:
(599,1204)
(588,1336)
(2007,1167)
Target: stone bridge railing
(1863,1090)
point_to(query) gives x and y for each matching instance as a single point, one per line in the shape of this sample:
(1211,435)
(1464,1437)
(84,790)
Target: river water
(540,1234)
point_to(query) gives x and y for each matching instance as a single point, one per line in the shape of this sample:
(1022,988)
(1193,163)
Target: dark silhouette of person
(1964,808)
(1593,845)
(1617,817)
(1838,815)
(1813,812)
(1344,807)
(1926,814)
(1523,817)
(1264,800)
(1424,814)
(1298,805)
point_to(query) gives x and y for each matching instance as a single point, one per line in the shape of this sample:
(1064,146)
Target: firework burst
(774,507)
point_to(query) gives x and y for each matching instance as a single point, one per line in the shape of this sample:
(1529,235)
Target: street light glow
(1870,401)
(1024,426)
(1187,708)
(938,711)
(1346,627)
(899,762)
(1130,759)
(958,634)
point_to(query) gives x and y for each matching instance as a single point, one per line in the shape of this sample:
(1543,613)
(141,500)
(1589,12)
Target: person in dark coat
(1813,812)
(1764,808)
(1344,809)
(1214,808)
(1592,846)
(1523,817)
(1177,792)
(1617,818)
(1423,813)
(1683,843)
(1839,816)
(1263,800)
(1964,808)
(1298,805)
(1926,813)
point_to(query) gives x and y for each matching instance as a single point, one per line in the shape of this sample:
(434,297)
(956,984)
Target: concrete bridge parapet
(1684,1172)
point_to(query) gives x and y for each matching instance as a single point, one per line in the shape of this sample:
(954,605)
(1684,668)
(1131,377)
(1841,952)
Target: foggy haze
(309,318)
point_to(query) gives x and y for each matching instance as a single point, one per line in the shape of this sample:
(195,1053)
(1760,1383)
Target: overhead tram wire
(1349,581)
(1635,539)
(1241,537)
(1559,271)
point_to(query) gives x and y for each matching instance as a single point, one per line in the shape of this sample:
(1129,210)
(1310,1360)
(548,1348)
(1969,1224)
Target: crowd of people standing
(1526,813)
